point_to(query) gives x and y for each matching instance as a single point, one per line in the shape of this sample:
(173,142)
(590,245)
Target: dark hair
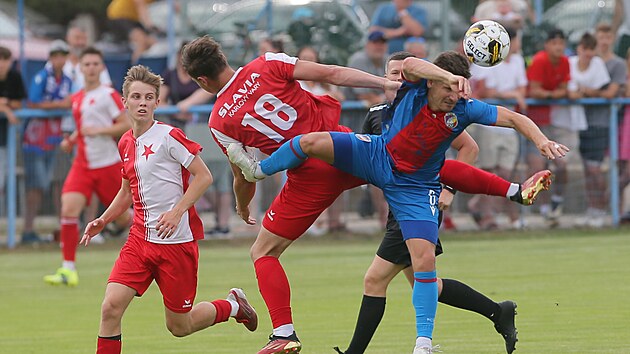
(604,27)
(512,32)
(90,50)
(555,33)
(588,41)
(203,57)
(400,56)
(5,53)
(453,62)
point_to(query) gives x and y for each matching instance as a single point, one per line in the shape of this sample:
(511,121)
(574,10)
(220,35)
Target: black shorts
(394,249)
(594,143)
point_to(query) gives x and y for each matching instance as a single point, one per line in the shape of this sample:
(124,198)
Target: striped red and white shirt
(96,108)
(155,164)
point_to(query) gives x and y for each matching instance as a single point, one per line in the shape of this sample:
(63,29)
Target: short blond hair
(143,74)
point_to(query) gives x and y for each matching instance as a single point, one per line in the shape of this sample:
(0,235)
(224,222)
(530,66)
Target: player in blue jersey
(431,109)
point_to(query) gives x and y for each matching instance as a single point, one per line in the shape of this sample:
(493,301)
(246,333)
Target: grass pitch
(572,290)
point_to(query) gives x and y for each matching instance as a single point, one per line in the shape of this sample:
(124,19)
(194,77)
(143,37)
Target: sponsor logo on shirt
(363,137)
(450,119)
(240,97)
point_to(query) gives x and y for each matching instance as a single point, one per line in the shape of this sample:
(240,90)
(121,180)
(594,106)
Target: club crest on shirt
(450,119)
(363,137)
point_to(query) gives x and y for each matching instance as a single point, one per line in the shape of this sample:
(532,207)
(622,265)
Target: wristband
(450,189)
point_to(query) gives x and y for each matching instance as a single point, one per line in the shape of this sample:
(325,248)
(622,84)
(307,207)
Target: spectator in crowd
(145,44)
(180,90)
(372,60)
(270,45)
(499,147)
(77,40)
(618,73)
(511,13)
(548,76)
(49,89)
(12,92)
(417,46)
(624,148)
(399,20)
(300,28)
(621,26)
(101,118)
(589,78)
(124,15)
(335,222)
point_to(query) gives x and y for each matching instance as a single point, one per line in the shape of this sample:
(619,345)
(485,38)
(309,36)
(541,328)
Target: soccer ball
(486,43)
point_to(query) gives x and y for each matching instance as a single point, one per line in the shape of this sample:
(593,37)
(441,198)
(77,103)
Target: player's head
(393,68)
(441,97)
(141,92)
(204,61)
(91,63)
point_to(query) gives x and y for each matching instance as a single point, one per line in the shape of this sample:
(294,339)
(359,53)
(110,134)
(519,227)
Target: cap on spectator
(376,36)
(555,33)
(58,46)
(302,12)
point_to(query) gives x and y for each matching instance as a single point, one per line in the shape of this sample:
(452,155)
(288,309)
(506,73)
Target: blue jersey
(417,138)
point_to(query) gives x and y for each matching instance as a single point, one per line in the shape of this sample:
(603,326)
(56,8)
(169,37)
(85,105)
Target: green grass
(572,289)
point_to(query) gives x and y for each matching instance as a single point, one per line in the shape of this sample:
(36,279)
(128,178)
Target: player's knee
(310,143)
(374,284)
(110,311)
(178,330)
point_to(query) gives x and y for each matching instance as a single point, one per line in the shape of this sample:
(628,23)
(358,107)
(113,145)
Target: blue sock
(425,299)
(287,156)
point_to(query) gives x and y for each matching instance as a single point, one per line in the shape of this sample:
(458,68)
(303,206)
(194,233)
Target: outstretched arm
(525,126)
(415,69)
(341,76)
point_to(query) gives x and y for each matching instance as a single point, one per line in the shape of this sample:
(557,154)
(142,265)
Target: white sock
(68,265)
(514,187)
(235,307)
(258,173)
(423,342)
(284,330)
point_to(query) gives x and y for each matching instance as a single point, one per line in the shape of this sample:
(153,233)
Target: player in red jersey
(157,163)
(261,105)
(100,119)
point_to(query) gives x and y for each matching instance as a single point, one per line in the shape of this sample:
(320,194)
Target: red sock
(472,180)
(275,290)
(109,345)
(69,238)
(223,310)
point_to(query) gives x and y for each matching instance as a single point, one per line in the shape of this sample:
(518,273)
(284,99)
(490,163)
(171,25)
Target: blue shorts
(38,169)
(413,202)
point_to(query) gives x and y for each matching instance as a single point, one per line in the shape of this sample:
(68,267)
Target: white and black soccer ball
(486,43)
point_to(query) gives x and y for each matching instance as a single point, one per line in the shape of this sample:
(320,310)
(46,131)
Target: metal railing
(198,111)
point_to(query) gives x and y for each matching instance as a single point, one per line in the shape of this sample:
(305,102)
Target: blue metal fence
(204,110)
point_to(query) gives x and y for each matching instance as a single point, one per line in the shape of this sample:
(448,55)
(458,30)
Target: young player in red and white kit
(158,161)
(100,119)
(262,105)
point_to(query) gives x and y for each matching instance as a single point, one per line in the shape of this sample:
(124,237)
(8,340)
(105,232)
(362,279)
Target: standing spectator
(301,27)
(270,45)
(417,46)
(158,163)
(179,89)
(548,76)
(509,12)
(590,78)
(12,93)
(399,20)
(621,26)
(499,147)
(618,75)
(50,89)
(100,118)
(371,59)
(145,44)
(124,15)
(77,40)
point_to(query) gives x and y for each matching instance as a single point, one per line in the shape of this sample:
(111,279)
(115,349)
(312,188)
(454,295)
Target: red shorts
(173,266)
(310,189)
(104,181)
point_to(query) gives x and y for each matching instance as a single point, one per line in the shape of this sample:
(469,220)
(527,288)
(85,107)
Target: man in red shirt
(548,76)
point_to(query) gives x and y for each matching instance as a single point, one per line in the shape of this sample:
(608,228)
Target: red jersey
(550,76)
(262,106)
(96,108)
(155,164)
